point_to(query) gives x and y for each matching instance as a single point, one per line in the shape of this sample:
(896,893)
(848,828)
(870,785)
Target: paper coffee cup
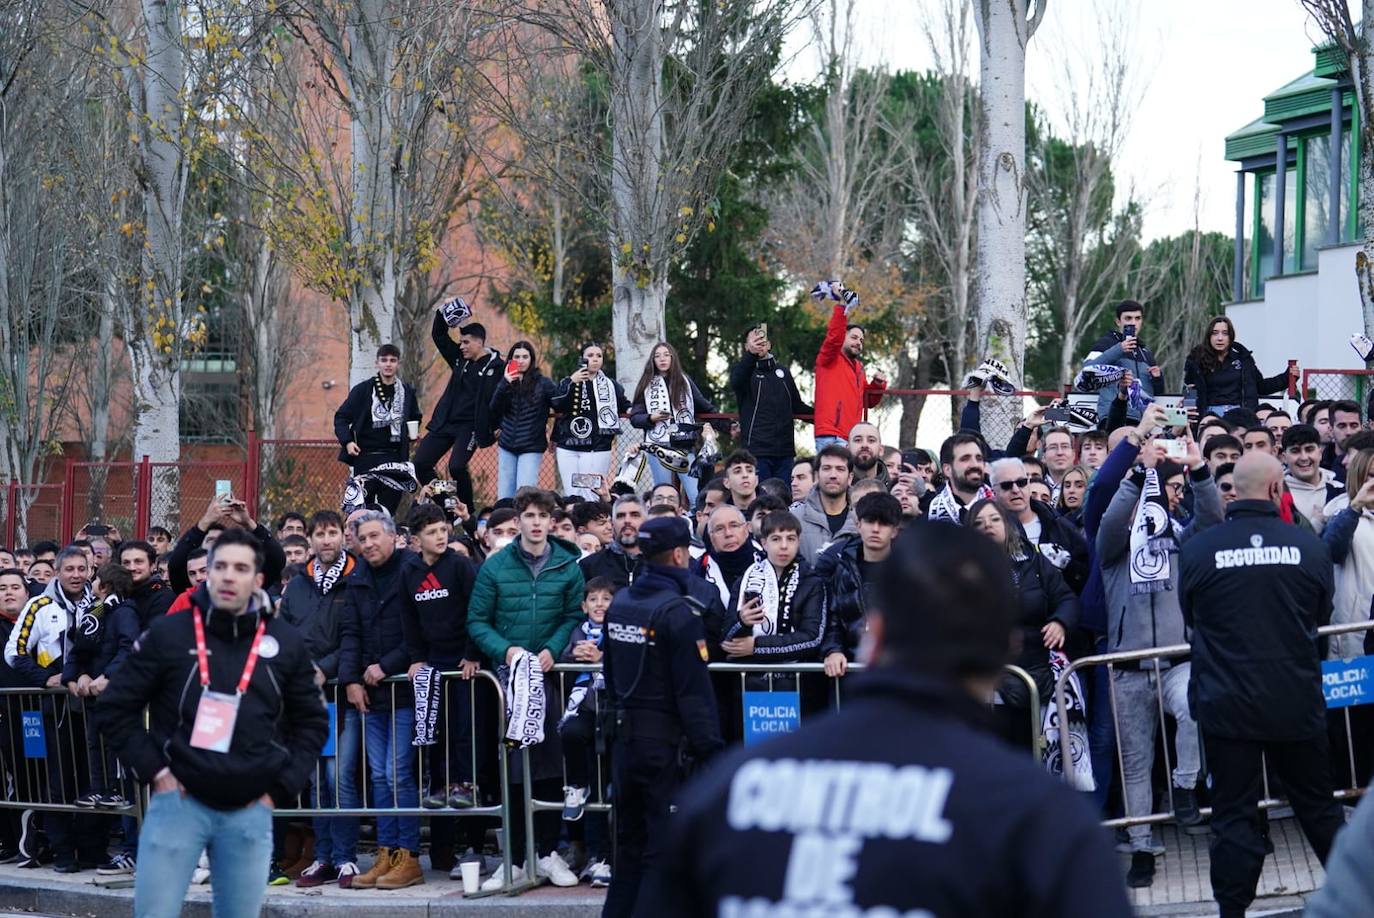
(472,875)
(413,429)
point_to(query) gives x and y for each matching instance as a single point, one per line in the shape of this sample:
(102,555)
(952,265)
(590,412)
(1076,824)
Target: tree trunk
(1004,30)
(1362,70)
(640,284)
(913,374)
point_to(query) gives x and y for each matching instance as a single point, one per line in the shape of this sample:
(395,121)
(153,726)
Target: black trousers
(1237,828)
(646,777)
(373,492)
(462,440)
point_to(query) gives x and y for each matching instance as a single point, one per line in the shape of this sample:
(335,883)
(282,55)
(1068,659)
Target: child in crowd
(579,727)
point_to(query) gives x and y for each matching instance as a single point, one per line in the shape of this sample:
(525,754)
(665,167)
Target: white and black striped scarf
(945,506)
(389,413)
(1077,760)
(658,401)
(326,578)
(525,703)
(428,683)
(775,597)
(1152,539)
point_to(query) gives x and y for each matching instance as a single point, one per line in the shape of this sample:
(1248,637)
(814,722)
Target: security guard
(906,804)
(664,709)
(1254,590)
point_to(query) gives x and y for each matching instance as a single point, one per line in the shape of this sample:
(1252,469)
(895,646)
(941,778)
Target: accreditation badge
(215,718)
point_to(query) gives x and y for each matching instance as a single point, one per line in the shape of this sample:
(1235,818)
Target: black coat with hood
(481,374)
(1045,597)
(281,723)
(373,630)
(846,596)
(318,616)
(1237,381)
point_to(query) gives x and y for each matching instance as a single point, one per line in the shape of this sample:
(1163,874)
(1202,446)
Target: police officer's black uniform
(664,710)
(905,802)
(1253,591)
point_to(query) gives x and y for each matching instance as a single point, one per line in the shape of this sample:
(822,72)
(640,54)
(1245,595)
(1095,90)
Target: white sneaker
(600,874)
(574,803)
(556,869)
(347,871)
(498,879)
(201,875)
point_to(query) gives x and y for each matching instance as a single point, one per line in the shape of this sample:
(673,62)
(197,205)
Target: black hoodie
(434,609)
(281,722)
(768,399)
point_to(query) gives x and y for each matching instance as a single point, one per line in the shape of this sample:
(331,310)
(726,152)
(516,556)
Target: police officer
(907,804)
(1254,590)
(664,710)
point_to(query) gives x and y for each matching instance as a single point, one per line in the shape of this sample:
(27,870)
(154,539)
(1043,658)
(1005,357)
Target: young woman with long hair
(665,406)
(1223,371)
(520,405)
(589,404)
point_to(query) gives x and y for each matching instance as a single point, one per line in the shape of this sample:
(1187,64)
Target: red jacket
(843,393)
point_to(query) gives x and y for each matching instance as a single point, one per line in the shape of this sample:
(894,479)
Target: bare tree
(1081,250)
(1334,19)
(1005,28)
(680,78)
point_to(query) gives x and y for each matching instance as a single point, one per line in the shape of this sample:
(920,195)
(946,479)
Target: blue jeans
(336,785)
(774,467)
(515,471)
(823,442)
(176,829)
(391,766)
(665,476)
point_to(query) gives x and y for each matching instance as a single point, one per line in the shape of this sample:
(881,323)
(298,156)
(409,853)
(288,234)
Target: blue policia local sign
(1348,682)
(35,742)
(768,714)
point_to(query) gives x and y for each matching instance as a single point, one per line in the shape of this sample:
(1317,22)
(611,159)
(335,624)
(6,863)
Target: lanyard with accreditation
(217,711)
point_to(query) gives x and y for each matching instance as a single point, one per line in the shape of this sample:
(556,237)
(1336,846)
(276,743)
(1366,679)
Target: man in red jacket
(843,393)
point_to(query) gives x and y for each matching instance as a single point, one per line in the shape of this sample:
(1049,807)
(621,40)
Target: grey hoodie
(1138,621)
(815,534)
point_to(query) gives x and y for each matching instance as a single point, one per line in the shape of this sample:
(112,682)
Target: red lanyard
(202,656)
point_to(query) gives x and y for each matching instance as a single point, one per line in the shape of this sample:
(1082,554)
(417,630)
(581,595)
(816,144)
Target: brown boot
(374,873)
(405,871)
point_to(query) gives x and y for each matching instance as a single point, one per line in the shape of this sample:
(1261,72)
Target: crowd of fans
(786,555)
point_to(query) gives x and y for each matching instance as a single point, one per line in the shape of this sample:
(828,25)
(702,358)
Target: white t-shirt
(1033,530)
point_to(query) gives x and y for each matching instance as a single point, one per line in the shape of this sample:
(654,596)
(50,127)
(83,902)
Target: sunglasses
(1014,483)
(1225,487)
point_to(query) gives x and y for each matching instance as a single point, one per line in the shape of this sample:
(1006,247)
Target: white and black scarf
(427,683)
(595,408)
(775,597)
(326,578)
(525,704)
(658,401)
(389,412)
(1078,758)
(1152,538)
(945,506)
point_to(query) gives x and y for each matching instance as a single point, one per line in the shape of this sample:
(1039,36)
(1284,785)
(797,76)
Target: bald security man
(1254,590)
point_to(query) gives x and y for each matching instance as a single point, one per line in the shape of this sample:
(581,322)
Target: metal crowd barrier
(1156,655)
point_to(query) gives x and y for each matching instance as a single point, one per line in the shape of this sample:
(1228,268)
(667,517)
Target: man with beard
(961,462)
(151,595)
(1345,423)
(825,514)
(843,394)
(768,399)
(866,446)
(620,560)
(1057,539)
(372,424)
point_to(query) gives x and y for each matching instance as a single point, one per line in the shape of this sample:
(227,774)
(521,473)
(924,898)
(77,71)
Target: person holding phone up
(589,404)
(1123,348)
(768,401)
(520,405)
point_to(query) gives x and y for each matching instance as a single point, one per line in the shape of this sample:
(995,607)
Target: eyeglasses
(1014,483)
(1175,487)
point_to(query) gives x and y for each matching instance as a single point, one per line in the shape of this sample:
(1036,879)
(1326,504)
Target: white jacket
(1354,584)
(1310,499)
(40,631)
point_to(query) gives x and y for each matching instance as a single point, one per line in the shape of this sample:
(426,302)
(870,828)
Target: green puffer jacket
(509,608)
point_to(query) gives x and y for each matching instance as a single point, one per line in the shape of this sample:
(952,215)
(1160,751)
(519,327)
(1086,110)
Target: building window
(1262,257)
(210,409)
(1316,211)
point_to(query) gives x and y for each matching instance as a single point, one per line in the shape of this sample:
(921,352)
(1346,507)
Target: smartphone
(1057,415)
(1128,330)
(582,363)
(1175,449)
(915,457)
(763,330)
(224,490)
(587,480)
(95,530)
(1189,397)
(751,596)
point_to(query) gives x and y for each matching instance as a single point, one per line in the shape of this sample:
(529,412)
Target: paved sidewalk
(1183,881)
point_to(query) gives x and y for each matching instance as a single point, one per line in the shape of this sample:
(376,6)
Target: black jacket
(9,676)
(655,659)
(1254,591)
(373,633)
(564,399)
(319,618)
(685,437)
(1236,382)
(478,376)
(152,598)
(274,559)
(1045,597)
(768,399)
(102,651)
(797,640)
(523,414)
(996,836)
(1059,536)
(281,722)
(612,563)
(353,423)
(434,609)
(845,595)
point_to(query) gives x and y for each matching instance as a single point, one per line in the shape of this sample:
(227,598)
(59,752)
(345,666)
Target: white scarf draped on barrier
(1079,757)
(525,702)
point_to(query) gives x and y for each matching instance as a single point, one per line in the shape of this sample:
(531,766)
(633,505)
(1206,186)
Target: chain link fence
(1339,385)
